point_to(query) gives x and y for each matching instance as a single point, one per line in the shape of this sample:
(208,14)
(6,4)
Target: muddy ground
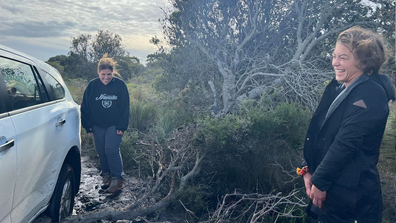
(90,197)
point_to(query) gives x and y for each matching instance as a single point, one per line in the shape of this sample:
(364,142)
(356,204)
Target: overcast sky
(43,28)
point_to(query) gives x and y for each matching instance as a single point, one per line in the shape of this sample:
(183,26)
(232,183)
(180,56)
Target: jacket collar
(344,94)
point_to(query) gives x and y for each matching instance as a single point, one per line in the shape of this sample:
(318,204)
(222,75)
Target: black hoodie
(105,105)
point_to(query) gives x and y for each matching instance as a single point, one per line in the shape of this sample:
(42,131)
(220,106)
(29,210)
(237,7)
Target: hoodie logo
(106,104)
(107,100)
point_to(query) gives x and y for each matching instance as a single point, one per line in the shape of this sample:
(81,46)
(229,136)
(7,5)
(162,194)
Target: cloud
(124,17)
(136,21)
(35,47)
(36,28)
(14,10)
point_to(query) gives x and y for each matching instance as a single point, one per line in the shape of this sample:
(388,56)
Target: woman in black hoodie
(105,116)
(343,140)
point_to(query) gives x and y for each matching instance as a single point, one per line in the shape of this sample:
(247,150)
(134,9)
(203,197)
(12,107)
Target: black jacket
(344,136)
(105,105)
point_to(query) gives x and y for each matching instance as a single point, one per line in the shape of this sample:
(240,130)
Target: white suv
(39,140)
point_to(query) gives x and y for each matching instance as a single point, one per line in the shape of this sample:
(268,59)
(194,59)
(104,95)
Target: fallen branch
(176,159)
(254,207)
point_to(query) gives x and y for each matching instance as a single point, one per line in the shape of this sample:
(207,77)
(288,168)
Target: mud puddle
(90,196)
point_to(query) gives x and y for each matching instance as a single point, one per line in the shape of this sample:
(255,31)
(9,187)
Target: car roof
(36,62)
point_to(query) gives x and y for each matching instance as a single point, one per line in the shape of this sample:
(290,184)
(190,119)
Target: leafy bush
(249,150)
(172,114)
(286,122)
(143,112)
(76,87)
(131,153)
(241,152)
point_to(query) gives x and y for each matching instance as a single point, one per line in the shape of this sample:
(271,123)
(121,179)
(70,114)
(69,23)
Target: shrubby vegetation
(239,105)
(249,151)
(252,150)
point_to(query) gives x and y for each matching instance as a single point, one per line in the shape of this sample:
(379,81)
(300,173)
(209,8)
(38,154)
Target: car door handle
(61,122)
(7,145)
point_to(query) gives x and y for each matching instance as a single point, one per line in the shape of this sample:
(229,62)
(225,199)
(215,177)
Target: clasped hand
(317,196)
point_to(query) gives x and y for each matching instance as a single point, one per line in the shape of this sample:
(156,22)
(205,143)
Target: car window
(55,88)
(21,83)
(3,107)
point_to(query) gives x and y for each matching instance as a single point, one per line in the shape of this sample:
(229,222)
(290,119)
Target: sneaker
(106,181)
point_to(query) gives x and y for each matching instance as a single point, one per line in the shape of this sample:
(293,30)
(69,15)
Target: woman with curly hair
(343,141)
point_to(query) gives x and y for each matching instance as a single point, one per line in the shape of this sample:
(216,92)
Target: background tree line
(224,110)
(86,51)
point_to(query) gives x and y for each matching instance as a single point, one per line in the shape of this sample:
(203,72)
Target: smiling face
(345,64)
(105,76)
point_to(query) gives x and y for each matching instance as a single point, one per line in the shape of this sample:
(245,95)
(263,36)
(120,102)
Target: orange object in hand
(303,170)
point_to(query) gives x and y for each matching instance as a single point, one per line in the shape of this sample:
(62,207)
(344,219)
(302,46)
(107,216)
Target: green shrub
(143,111)
(287,121)
(142,114)
(131,153)
(248,150)
(77,87)
(171,115)
(87,145)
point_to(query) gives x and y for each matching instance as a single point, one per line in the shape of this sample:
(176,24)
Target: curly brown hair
(108,63)
(367,46)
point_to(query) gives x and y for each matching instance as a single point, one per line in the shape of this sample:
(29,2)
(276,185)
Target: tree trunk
(228,92)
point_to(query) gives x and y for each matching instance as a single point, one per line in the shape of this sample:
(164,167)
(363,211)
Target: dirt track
(90,197)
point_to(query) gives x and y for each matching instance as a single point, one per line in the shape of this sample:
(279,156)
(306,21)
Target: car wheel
(62,201)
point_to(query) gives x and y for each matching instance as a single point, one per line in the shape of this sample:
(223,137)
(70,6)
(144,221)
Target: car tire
(62,200)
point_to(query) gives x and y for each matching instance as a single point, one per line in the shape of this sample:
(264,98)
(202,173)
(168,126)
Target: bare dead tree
(304,84)
(173,164)
(264,44)
(237,207)
(215,106)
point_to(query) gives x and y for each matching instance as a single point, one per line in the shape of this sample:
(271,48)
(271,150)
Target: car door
(41,139)
(7,159)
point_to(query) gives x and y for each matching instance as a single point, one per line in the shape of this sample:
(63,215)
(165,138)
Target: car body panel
(8,161)
(41,145)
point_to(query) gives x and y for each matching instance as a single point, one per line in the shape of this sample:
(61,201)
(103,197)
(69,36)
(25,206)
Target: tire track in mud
(90,196)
